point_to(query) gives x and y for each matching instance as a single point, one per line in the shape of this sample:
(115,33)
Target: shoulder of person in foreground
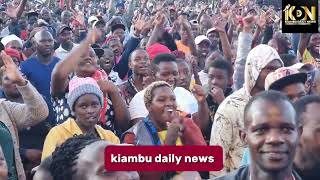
(241,173)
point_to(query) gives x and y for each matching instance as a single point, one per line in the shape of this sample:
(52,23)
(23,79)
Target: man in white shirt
(64,35)
(165,68)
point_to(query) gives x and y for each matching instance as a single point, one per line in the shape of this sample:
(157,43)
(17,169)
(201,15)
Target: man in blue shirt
(37,69)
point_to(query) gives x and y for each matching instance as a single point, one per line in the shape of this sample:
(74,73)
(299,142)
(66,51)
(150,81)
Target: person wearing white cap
(203,49)
(12,41)
(213,35)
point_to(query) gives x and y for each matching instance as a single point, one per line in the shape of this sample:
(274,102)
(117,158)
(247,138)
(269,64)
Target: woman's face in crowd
(14,45)
(106,62)
(87,110)
(90,165)
(162,106)
(87,64)
(315,43)
(168,72)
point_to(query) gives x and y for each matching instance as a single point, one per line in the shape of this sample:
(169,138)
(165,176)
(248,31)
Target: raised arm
(220,24)
(122,116)
(59,78)
(303,43)
(261,22)
(34,109)
(184,23)
(16,12)
(244,47)
(157,30)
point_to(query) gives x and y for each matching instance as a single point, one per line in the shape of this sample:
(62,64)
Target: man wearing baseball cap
(203,48)
(289,81)
(64,35)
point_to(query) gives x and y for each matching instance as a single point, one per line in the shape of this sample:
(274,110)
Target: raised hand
(261,20)
(160,19)
(225,10)
(248,21)
(204,7)
(93,36)
(217,94)
(175,129)
(199,93)
(80,18)
(139,25)
(12,71)
(219,23)
(11,11)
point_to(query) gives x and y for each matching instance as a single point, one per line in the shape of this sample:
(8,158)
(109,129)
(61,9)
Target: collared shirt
(62,53)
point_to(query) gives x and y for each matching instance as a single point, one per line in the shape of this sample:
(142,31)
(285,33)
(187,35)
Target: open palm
(11,68)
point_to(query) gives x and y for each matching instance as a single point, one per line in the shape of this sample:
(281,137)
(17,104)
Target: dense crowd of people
(78,76)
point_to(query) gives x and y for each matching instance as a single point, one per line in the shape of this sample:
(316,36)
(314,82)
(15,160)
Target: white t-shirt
(62,53)
(185,100)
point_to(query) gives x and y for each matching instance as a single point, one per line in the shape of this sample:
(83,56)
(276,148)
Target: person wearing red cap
(157,49)
(15,55)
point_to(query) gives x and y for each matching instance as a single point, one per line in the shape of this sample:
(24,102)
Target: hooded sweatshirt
(228,119)
(59,134)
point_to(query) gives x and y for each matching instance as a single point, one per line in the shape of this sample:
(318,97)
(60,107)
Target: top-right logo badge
(300,16)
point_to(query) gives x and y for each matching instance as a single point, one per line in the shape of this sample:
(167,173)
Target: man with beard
(307,158)
(37,69)
(271,131)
